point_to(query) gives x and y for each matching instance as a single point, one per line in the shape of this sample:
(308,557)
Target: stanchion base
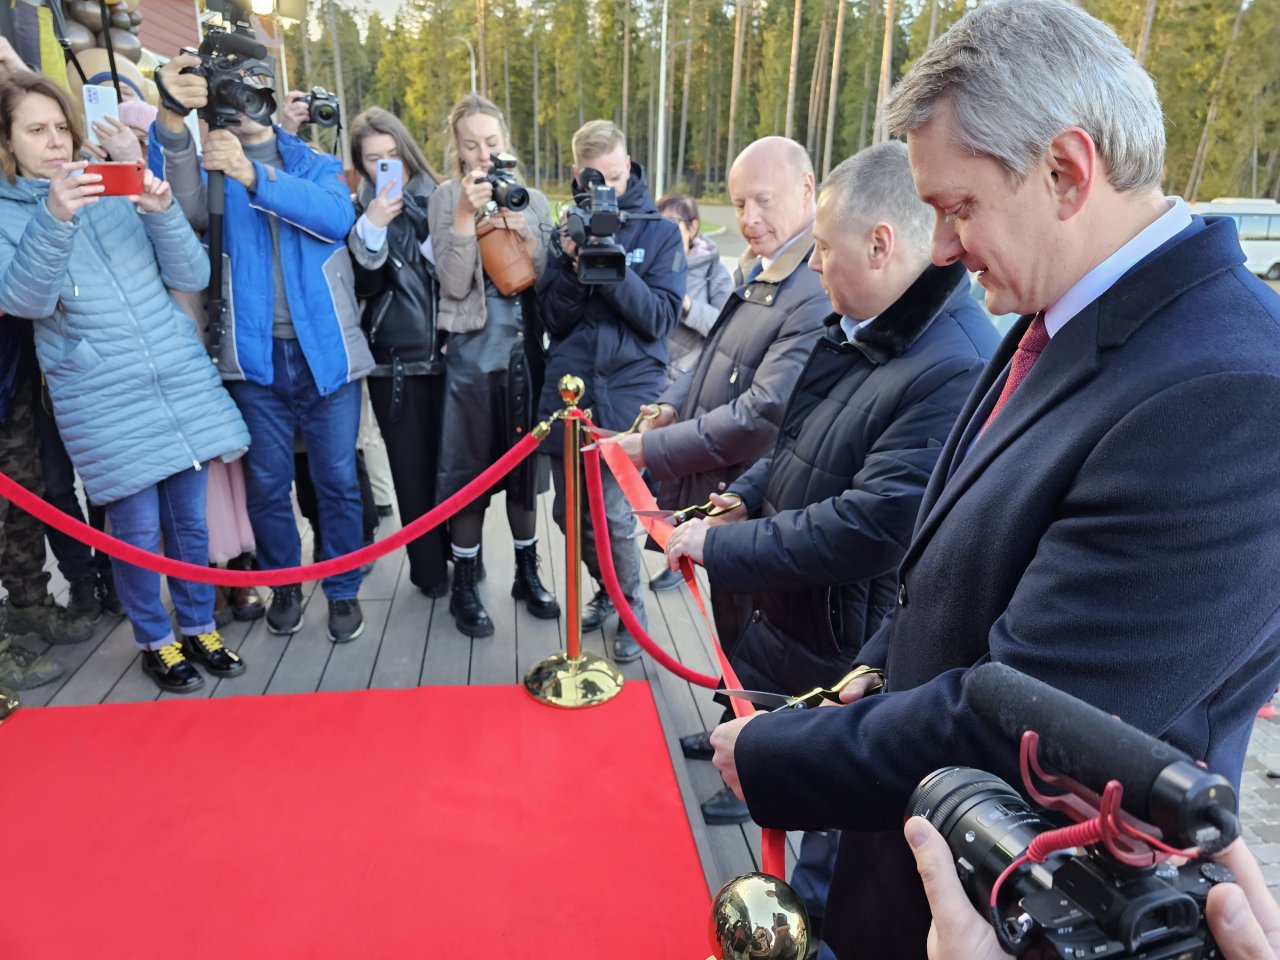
(584,681)
(9,702)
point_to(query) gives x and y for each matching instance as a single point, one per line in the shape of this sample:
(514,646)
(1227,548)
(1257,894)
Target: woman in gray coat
(489,386)
(138,404)
(707,287)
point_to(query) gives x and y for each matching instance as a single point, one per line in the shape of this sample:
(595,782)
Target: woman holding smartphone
(489,388)
(398,287)
(137,402)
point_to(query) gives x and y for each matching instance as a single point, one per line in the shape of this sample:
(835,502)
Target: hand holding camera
(476,193)
(190,90)
(296,111)
(70,189)
(224,152)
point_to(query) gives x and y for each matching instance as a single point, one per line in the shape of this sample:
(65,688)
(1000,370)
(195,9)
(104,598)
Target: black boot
(529,588)
(468,612)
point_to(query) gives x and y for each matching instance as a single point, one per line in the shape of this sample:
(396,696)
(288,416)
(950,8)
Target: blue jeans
(275,415)
(172,509)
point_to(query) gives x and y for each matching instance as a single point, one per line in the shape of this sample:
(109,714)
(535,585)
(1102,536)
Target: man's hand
(224,151)
(731,508)
(296,112)
(118,140)
(156,195)
(686,540)
(1244,919)
(188,89)
(10,62)
(631,444)
(656,416)
(725,738)
(70,189)
(383,208)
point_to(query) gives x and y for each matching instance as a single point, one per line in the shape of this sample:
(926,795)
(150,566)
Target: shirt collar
(851,326)
(1105,275)
(767,262)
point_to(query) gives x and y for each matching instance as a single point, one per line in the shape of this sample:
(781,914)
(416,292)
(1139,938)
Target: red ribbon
(773,841)
(41,510)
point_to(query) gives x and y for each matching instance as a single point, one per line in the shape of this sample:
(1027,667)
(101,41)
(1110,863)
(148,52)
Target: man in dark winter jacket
(613,336)
(834,505)
(713,423)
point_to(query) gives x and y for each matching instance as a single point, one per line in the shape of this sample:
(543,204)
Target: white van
(1259,224)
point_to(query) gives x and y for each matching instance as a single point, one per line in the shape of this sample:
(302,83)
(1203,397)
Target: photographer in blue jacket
(291,351)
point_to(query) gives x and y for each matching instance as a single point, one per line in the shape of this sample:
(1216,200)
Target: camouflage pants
(22,550)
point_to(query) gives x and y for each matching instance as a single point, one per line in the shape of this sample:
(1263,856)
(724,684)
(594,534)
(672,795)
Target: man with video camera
(290,349)
(614,336)
(1104,515)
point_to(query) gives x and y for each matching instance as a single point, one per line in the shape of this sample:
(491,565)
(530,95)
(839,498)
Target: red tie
(1024,358)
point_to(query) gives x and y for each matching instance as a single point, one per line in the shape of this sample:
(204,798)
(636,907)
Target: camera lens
(324,114)
(511,195)
(985,822)
(256,103)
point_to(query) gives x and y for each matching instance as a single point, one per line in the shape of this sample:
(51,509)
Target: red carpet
(450,822)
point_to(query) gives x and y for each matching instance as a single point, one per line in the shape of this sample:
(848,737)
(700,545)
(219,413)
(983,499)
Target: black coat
(1115,533)
(614,335)
(838,497)
(398,287)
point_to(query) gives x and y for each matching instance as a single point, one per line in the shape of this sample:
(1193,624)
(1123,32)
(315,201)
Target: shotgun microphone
(1162,785)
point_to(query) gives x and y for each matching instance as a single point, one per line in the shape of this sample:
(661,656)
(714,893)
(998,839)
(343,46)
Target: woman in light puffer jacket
(138,404)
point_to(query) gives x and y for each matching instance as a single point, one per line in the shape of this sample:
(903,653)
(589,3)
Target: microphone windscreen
(1076,738)
(244,47)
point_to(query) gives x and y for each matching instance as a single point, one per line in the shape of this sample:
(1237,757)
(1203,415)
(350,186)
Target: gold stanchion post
(573,678)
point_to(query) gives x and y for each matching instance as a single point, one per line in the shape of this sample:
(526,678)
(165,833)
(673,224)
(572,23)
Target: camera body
(322,108)
(227,59)
(591,222)
(1088,905)
(508,192)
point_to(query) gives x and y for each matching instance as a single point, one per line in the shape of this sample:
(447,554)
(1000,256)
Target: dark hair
(15,88)
(684,207)
(374,121)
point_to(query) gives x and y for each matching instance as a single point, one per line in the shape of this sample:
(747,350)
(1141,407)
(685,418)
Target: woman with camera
(140,408)
(398,288)
(487,257)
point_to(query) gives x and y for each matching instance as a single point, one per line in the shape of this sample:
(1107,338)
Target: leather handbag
(506,260)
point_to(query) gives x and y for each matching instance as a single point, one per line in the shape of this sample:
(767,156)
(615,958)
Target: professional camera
(1120,897)
(322,108)
(507,190)
(591,223)
(227,61)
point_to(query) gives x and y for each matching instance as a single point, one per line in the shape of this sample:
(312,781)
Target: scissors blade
(655,514)
(599,431)
(760,697)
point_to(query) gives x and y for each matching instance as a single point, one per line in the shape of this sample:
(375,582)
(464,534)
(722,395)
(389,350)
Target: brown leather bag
(506,260)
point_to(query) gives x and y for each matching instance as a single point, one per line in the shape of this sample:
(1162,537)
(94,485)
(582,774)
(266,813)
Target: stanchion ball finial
(756,915)
(571,389)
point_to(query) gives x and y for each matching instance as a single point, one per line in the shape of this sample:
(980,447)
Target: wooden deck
(410,640)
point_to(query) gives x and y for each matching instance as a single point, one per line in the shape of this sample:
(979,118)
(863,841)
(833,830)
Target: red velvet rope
(773,843)
(41,510)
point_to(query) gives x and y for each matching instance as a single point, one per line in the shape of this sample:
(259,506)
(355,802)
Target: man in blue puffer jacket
(613,336)
(291,350)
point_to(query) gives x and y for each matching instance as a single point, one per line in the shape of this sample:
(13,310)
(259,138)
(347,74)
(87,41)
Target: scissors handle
(815,696)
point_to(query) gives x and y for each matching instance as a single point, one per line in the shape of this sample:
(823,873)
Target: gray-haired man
(1104,516)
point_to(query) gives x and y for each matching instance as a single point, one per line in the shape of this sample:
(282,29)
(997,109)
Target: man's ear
(880,244)
(1072,158)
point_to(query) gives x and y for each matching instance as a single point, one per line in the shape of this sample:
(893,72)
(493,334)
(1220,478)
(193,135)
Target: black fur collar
(893,332)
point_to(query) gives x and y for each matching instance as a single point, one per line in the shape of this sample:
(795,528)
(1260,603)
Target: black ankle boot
(468,612)
(529,588)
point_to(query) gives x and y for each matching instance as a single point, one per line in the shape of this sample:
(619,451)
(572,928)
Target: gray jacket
(459,270)
(730,405)
(707,285)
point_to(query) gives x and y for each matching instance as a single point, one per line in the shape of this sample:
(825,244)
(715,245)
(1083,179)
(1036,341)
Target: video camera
(1120,897)
(591,222)
(507,190)
(227,59)
(322,107)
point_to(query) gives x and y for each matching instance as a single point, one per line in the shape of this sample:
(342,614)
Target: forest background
(742,69)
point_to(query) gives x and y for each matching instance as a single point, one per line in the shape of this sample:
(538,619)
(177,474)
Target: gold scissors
(780,701)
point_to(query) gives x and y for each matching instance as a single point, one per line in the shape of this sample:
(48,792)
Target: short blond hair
(596,138)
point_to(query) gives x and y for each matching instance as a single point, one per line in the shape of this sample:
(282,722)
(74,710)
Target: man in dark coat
(835,502)
(1105,514)
(613,336)
(713,423)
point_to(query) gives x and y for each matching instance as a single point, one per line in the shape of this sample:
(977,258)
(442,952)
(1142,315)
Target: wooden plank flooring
(410,640)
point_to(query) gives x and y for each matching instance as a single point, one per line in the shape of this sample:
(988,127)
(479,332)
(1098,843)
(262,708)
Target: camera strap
(168,100)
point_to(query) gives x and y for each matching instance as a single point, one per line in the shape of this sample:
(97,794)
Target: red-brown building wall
(169,25)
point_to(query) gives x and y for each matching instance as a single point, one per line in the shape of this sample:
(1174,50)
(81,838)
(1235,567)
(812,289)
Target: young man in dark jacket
(613,336)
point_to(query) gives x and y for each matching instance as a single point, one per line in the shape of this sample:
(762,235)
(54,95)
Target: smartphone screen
(390,171)
(99,103)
